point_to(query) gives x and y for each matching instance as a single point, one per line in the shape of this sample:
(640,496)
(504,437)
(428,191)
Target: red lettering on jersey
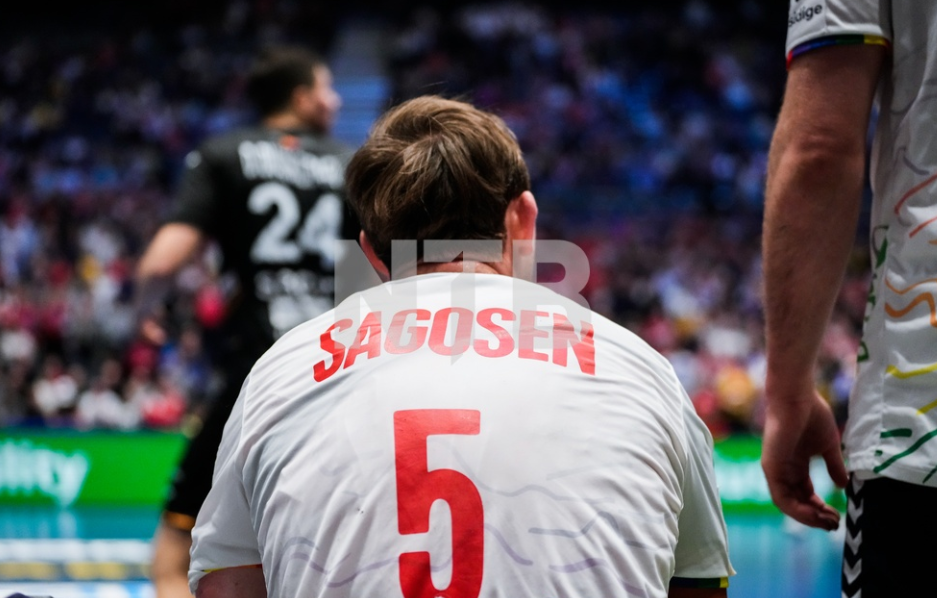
(320,371)
(505,340)
(584,348)
(419,487)
(368,339)
(417,333)
(529,332)
(405,334)
(463,331)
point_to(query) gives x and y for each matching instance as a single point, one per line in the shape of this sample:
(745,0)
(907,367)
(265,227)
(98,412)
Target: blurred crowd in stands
(646,131)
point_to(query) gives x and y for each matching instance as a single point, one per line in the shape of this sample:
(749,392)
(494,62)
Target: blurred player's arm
(173,246)
(812,201)
(169,570)
(236,582)
(195,216)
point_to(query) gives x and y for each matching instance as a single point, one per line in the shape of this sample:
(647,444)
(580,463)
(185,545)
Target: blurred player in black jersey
(272,197)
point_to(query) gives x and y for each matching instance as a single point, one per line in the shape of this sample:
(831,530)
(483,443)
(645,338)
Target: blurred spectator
(55,392)
(185,365)
(18,242)
(15,407)
(164,405)
(102,406)
(17,344)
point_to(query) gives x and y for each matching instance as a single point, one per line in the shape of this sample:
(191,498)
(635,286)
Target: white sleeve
(702,554)
(223,535)
(816,23)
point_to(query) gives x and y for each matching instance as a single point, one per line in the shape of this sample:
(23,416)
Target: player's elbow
(172,247)
(153,268)
(830,147)
(819,157)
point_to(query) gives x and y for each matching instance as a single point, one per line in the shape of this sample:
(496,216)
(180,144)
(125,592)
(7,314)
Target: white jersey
(471,432)
(892,415)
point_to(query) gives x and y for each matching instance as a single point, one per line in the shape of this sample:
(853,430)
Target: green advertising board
(87,468)
(113,468)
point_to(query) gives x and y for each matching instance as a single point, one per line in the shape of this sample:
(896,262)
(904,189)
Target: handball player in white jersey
(845,57)
(459,432)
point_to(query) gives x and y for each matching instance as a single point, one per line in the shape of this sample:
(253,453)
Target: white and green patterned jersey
(893,410)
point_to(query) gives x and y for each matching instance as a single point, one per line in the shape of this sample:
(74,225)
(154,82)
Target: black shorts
(889,549)
(192,480)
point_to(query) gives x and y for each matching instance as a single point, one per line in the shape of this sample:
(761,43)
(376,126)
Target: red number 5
(417,490)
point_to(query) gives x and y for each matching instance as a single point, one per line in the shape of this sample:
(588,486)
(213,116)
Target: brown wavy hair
(435,168)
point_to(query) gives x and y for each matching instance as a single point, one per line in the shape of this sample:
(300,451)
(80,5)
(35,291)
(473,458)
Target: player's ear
(520,227)
(299,98)
(520,220)
(376,263)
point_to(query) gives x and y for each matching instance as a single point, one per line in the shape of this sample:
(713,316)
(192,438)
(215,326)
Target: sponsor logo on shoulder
(803,13)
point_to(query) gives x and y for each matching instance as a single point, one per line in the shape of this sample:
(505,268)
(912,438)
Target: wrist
(789,390)
(150,297)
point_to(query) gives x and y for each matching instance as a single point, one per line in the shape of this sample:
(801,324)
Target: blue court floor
(103,553)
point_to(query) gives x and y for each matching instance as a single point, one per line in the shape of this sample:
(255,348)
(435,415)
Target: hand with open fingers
(795,432)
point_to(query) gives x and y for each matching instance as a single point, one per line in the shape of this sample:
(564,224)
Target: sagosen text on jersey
(452,331)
